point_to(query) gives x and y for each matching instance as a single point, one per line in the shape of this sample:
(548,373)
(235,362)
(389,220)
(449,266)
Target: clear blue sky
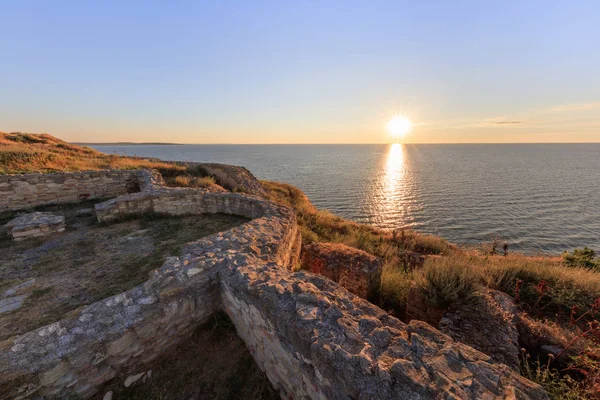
(302,71)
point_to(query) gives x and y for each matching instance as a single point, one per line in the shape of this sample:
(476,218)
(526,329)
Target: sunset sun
(398,126)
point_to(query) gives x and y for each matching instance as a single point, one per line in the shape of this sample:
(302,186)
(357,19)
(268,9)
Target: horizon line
(298,144)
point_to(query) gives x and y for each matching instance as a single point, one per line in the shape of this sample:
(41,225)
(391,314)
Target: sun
(398,126)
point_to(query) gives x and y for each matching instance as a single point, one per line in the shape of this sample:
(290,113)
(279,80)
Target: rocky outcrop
(490,326)
(233,178)
(354,269)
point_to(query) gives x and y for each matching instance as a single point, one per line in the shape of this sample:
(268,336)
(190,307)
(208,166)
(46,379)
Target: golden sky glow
(310,72)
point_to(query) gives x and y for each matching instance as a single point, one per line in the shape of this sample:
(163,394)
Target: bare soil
(212,364)
(89,261)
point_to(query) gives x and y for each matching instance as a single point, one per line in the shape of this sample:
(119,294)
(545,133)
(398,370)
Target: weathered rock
(35,224)
(489,325)
(11,303)
(354,269)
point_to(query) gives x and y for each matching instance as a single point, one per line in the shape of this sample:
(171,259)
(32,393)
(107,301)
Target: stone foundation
(312,338)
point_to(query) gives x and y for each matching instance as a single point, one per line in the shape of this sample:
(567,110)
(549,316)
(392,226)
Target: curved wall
(313,338)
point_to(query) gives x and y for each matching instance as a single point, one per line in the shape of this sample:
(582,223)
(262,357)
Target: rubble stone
(35,224)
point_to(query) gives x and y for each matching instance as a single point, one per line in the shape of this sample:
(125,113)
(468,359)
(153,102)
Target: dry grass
(447,283)
(27,153)
(394,288)
(191,181)
(544,285)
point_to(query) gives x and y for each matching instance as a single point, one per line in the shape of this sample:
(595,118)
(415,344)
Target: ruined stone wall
(418,307)
(113,338)
(354,269)
(315,340)
(179,201)
(30,190)
(110,338)
(312,338)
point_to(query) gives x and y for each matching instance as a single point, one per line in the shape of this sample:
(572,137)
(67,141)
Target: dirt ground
(214,364)
(89,261)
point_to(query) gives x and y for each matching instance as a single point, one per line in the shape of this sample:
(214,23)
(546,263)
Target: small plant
(395,285)
(581,258)
(448,284)
(557,386)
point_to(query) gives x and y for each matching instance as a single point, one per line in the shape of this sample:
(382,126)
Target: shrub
(557,386)
(190,181)
(541,284)
(395,285)
(448,283)
(581,258)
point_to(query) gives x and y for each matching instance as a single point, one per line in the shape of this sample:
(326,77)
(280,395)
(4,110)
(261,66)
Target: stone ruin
(311,337)
(353,269)
(35,224)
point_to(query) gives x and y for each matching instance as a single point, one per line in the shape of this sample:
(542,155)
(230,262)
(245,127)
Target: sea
(538,198)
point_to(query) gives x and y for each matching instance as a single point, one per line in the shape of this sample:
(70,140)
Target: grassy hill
(26,153)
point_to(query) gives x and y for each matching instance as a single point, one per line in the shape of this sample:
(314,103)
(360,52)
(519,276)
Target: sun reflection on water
(392,189)
(395,159)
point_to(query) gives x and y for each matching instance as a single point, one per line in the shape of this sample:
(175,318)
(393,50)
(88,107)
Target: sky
(301,71)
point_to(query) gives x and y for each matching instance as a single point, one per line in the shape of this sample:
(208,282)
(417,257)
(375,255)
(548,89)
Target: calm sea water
(539,198)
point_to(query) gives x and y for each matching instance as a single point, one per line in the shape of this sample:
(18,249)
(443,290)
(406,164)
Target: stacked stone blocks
(312,338)
(354,269)
(35,224)
(31,190)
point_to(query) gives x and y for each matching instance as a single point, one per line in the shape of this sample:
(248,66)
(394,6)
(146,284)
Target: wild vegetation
(559,298)
(27,153)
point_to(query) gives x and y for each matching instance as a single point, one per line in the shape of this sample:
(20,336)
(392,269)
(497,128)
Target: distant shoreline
(316,144)
(129,144)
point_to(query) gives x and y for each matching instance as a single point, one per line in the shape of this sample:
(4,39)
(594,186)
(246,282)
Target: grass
(557,386)
(27,153)
(212,364)
(322,226)
(394,288)
(447,283)
(557,293)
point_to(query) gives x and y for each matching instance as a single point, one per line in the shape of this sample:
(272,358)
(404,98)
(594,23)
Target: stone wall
(31,190)
(113,338)
(354,269)
(313,338)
